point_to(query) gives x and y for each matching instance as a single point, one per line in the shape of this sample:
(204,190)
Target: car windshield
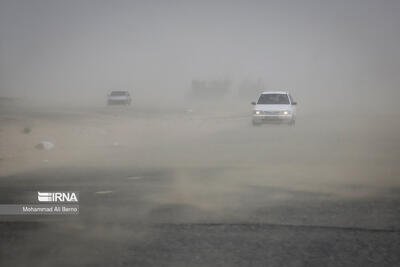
(273,99)
(118,93)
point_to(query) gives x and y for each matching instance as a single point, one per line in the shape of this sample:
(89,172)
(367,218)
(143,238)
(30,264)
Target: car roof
(275,92)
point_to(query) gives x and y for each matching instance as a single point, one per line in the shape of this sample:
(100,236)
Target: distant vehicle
(277,107)
(119,98)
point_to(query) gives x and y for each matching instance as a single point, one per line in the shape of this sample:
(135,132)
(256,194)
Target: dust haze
(178,165)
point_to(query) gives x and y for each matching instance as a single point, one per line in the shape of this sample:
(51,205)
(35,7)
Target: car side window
(291,99)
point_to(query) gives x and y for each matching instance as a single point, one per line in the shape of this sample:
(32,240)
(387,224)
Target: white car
(119,98)
(274,107)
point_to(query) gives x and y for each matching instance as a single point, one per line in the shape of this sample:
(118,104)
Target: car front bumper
(117,102)
(272,118)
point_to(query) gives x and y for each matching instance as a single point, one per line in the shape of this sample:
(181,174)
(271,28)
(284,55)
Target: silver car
(119,98)
(274,107)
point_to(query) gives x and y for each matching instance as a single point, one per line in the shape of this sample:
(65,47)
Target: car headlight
(257,112)
(286,112)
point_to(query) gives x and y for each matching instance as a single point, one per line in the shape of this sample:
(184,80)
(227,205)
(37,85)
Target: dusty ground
(202,188)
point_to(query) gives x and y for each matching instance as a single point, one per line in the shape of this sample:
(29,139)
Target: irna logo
(57,197)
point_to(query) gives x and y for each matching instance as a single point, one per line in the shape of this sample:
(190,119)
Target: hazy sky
(65,48)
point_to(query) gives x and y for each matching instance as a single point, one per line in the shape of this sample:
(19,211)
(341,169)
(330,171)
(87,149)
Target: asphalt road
(205,190)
